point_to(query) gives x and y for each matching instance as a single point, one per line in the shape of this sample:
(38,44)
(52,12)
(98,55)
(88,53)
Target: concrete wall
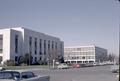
(91,54)
(24,46)
(6,44)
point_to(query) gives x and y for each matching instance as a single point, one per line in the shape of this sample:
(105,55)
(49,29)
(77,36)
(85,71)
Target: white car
(21,76)
(62,66)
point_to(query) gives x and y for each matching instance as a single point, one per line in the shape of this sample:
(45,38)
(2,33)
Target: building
(16,42)
(84,54)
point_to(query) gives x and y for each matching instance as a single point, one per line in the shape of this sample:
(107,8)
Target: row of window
(34,41)
(79,53)
(80,61)
(46,43)
(80,57)
(80,49)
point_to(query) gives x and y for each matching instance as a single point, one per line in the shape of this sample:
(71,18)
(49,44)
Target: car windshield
(9,75)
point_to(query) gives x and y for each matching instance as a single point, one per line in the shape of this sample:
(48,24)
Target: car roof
(20,71)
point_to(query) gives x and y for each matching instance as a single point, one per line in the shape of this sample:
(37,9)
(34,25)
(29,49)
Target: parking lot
(98,73)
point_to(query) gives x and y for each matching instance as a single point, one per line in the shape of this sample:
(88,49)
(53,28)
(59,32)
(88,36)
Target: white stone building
(84,54)
(16,42)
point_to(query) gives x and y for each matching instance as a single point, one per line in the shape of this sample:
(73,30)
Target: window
(35,45)
(1,43)
(40,58)
(16,43)
(26,75)
(9,75)
(56,45)
(78,49)
(83,57)
(44,46)
(49,45)
(35,59)
(40,46)
(30,45)
(30,41)
(16,58)
(16,74)
(52,44)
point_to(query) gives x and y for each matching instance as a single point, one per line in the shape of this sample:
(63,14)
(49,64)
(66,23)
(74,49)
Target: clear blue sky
(76,22)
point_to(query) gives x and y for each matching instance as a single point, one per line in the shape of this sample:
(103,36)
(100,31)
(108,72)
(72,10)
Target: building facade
(16,42)
(84,54)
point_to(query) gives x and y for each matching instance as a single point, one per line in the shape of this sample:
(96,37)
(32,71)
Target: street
(98,73)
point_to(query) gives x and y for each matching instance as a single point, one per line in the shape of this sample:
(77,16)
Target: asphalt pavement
(98,73)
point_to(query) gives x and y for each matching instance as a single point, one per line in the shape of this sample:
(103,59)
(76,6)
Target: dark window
(16,43)
(9,75)
(26,75)
(35,59)
(40,45)
(83,57)
(30,45)
(6,75)
(30,41)
(52,45)
(49,45)
(44,46)
(1,43)
(16,58)
(40,58)
(56,45)
(16,74)
(35,45)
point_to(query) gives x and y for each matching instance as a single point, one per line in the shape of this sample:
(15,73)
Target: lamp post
(53,63)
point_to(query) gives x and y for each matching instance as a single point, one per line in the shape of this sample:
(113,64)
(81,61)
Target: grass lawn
(27,67)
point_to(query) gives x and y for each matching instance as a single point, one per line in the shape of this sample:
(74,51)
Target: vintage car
(21,76)
(63,66)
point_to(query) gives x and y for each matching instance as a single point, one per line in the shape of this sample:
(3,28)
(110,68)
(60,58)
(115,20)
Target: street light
(53,63)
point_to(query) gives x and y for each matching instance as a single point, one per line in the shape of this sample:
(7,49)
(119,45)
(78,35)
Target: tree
(111,57)
(60,59)
(21,60)
(28,59)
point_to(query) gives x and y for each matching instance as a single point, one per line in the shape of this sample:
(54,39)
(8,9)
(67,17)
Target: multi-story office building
(84,54)
(16,42)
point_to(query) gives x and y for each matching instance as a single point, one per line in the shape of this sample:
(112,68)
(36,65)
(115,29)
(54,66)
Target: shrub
(23,64)
(9,63)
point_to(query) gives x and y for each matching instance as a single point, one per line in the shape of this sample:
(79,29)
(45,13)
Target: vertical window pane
(35,45)
(1,43)
(44,46)
(40,46)
(30,45)
(16,43)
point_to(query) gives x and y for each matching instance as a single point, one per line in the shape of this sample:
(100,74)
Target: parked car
(21,76)
(76,65)
(62,66)
(115,68)
(89,65)
(95,64)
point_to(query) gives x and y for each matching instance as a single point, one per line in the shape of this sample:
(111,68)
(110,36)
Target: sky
(76,22)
